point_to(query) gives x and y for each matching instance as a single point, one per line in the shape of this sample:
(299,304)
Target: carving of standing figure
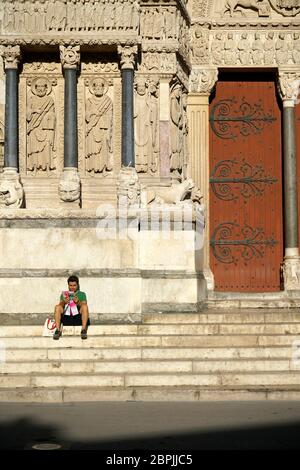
(269,48)
(142,126)
(153,103)
(185,131)
(99,128)
(229,48)
(258,50)
(217,49)
(296,48)
(41,121)
(281,46)
(243,47)
(176,129)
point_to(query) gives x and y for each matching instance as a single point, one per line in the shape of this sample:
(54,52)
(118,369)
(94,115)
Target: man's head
(73,283)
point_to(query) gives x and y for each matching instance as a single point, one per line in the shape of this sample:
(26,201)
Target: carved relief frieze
(200,8)
(159,23)
(256,8)
(199,45)
(98,126)
(158,62)
(256,48)
(146,123)
(41,126)
(54,16)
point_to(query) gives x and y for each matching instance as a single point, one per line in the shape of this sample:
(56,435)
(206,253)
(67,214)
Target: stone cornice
(51,40)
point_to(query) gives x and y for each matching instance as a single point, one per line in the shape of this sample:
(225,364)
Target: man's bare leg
(58,311)
(84,310)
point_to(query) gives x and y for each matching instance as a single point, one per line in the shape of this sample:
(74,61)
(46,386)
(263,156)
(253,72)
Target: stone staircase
(211,355)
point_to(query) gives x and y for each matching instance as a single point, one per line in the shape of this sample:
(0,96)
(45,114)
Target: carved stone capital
(11,189)
(127,56)
(11,56)
(70,56)
(203,80)
(289,85)
(69,185)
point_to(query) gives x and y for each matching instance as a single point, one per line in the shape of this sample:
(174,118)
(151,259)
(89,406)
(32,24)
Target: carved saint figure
(269,48)
(282,49)
(217,49)
(176,130)
(296,48)
(258,50)
(41,121)
(145,124)
(243,47)
(229,47)
(99,127)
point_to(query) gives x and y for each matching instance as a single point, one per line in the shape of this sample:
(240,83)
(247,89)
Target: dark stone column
(291,267)
(11,56)
(290,177)
(127,55)
(11,142)
(128,156)
(70,120)
(11,186)
(70,186)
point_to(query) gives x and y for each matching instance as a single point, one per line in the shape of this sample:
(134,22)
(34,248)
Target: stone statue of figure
(41,122)
(99,128)
(176,124)
(143,122)
(154,117)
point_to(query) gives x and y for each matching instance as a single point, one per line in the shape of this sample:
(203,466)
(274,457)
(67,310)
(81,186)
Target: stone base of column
(291,269)
(11,189)
(69,188)
(128,188)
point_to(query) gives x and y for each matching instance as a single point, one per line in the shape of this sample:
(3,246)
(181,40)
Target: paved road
(152,426)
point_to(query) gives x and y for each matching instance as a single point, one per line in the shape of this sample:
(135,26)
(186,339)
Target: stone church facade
(151,147)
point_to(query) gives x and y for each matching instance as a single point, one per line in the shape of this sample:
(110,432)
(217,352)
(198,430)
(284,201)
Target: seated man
(72,302)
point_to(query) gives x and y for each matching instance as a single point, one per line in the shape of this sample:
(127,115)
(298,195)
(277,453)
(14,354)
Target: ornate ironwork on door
(229,118)
(245,200)
(250,241)
(229,176)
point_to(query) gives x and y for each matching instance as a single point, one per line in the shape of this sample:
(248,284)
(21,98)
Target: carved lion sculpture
(11,193)
(174,194)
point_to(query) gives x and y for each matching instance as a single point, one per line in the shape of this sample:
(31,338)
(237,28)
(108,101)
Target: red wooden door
(246,246)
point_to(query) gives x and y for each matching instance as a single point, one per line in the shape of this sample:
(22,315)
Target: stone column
(202,82)
(11,190)
(289,88)
(128,182)
(69,185)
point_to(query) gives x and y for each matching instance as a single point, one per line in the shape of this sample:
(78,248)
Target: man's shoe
(57,334)
(83,334)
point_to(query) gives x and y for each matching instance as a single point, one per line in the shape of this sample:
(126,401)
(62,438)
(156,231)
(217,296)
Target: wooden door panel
(245,185)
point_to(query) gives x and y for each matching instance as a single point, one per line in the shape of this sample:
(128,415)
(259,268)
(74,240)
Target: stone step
(147,366)
(218,316)
(92,394)
(108,354)
(162,329)
(218,380)
(154,341)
